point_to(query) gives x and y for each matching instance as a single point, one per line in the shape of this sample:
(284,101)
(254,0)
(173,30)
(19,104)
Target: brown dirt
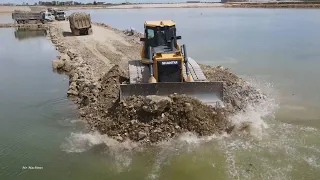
(96,65)
(155,119)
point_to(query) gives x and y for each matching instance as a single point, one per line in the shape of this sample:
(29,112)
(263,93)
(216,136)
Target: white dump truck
(26,17)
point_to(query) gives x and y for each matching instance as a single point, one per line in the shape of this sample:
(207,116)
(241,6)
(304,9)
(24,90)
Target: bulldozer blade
(210,93)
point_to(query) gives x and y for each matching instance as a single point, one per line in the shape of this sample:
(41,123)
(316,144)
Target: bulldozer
(165,68)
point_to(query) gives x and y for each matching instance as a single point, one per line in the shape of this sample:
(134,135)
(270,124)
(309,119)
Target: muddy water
(35,115)
(38,125)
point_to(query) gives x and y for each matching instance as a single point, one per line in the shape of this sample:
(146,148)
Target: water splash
(252,120)
(120,152)
(263,148)
(80,142)
(260,147)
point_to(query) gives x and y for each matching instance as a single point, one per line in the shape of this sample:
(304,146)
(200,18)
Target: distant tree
(94,2)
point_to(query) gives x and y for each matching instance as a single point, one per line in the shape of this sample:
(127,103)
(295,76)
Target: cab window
(150,33)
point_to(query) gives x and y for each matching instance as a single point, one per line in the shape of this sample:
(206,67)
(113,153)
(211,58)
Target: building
(193,2)
(100,3)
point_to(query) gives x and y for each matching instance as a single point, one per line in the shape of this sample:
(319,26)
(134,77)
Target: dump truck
(80,23)
(165,68)
(60,15)
(25,17)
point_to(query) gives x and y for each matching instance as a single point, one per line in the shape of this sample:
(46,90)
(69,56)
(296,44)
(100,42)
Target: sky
(107,1)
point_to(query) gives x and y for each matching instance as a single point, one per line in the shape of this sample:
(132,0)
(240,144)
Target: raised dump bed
(80,23)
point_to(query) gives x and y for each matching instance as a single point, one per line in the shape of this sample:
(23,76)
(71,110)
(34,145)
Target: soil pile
(153,119)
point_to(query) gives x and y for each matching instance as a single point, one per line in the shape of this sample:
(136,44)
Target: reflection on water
(23,33)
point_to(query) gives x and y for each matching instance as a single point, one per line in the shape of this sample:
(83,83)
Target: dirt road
(97,65)
(103,49)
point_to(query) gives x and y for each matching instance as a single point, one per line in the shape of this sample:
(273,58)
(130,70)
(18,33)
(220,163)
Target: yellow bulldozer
(165,68)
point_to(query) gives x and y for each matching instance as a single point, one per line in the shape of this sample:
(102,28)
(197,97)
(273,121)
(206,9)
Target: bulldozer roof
(160,23)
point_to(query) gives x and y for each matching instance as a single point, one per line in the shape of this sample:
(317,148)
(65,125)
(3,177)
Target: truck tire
(76,32)
(89,31)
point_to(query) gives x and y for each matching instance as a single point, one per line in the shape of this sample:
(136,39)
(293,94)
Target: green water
(275,49)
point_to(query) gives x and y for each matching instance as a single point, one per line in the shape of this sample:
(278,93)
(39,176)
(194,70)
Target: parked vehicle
(60,15)
(47,16)
(23,17)
(27,17)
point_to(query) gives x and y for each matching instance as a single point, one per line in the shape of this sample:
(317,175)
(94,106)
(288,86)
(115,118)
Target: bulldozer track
(195,71)
(139,73)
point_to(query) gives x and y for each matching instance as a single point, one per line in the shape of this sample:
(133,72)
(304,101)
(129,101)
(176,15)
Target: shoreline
(274,5)
(7,10)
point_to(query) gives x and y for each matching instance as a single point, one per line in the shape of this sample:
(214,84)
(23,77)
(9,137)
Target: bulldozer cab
(161,36)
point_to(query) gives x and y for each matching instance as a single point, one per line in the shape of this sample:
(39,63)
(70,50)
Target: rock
(158,99)
(73,86)
(57,64)
(82,113)
(142,135)
(146,108)
(64,57)
(67,66)
(119,138)
(188,106)
(85,101)
(74,77)
(72,92)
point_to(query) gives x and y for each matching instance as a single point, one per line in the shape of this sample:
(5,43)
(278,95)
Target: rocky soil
(237,92)
(96,66)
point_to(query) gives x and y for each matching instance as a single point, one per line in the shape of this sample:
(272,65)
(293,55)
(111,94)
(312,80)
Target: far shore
(7,10)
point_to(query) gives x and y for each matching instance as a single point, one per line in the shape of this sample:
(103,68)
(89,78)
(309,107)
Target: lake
(274,49)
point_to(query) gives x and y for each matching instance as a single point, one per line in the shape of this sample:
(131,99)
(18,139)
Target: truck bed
(26,15)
